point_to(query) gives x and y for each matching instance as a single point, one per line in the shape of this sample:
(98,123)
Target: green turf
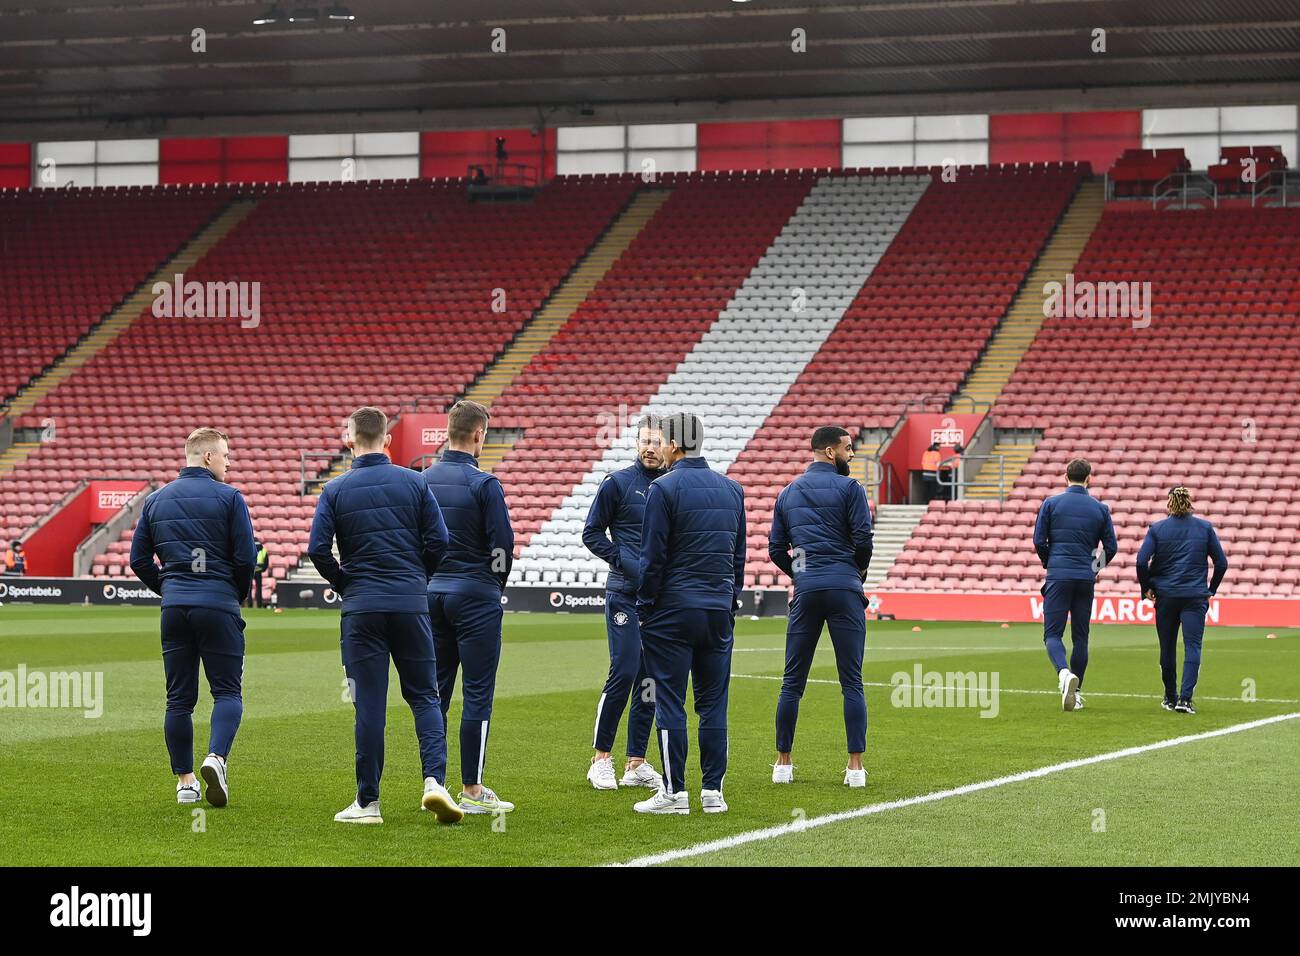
(98,791)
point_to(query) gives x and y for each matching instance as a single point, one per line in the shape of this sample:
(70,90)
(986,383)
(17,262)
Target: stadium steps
(15,454)
(864,449)
(1024,318)
(120,319)
(498,445)
(566,299)
(985,485)
(894,526)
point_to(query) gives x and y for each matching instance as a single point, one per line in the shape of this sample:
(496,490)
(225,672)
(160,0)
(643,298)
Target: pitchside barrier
(31,590)
(903,605)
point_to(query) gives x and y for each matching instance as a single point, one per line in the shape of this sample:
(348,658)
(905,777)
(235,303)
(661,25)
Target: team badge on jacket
(620,618)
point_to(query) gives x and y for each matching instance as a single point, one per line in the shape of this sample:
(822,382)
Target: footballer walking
(391,537)
(1171,566)
(823,515)
(616,514)
(1067,533)
(692,571)
(199,528)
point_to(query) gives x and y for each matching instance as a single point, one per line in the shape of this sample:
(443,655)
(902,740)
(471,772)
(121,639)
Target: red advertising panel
(416,434)
(1106,609)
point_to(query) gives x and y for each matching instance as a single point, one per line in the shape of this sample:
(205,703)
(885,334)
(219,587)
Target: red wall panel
(449,153)
(247,159)
(769,145)
(15,165)
(1094,137)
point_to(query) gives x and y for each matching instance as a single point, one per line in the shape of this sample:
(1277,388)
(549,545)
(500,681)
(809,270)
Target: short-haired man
(199,528)
(464,597)
(1069,528)
(391,537)
(692,572)
(616,512)
(824,515)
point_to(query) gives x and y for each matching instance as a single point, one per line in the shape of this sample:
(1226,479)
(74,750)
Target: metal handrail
(1184,190)
(959,472)
(303,457)
(1284,176)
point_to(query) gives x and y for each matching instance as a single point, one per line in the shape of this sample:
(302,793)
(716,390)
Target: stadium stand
(408,268)
(1216,411)
(917,326)
(747,359)
(72,255)
(633,330)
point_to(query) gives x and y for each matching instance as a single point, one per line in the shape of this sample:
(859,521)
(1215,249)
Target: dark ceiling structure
(107,69)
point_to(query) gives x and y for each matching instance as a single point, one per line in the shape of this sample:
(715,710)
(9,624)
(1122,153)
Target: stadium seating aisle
(1217,410)
(745,362)
(915,329)
(71,255)
(374,294)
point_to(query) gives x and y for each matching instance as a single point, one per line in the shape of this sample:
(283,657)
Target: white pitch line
(1018,690)
(798,826)
(910,647)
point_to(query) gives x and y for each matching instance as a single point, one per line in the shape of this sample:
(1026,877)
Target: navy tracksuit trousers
(626,676)
(694,643)
(216,638)
(1073,598)
(467,635)
(843,612)
(368,641)
(1189,612)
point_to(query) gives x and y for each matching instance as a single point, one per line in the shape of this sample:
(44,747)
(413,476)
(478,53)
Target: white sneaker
(643,775)
(1078,701)
(783,773)
(601,774)
(187,792)
(439,802)
(661,802)
(359,814)
(1069,685)
(855,778)
(214,775)
(486,802)
(712,802)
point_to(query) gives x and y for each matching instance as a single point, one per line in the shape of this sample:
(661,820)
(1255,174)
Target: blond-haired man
(199,528)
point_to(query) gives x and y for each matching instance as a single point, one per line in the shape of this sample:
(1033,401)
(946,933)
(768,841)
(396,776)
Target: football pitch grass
(97,791)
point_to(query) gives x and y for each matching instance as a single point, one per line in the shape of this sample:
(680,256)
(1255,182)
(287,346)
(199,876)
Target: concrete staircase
(15,454)
(566,299)
(894,525)
(120,319)
(1025,317)
(985,484)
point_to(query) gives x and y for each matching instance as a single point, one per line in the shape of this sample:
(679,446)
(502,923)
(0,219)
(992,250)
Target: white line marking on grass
(1018,690)
(798,826)
(913,647)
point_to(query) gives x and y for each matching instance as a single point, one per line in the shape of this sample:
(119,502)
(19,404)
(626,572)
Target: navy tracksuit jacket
(824,517)
(1171,562)
(464,597)
(200,529)
(391,537)
(1068,530)
(692,572)
(618,509)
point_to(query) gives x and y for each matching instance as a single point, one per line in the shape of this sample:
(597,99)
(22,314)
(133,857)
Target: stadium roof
(103,68)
